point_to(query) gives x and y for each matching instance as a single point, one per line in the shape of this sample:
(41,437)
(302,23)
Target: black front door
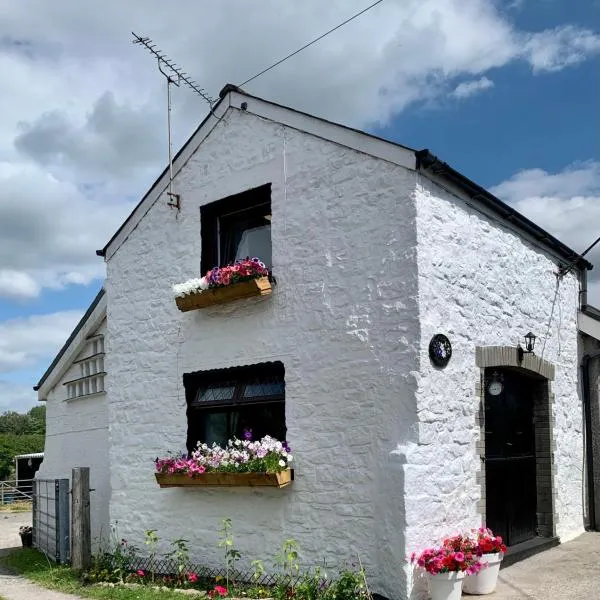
(510,455)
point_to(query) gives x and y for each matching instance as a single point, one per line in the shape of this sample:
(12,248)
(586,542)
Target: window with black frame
(237,227)
(226,403)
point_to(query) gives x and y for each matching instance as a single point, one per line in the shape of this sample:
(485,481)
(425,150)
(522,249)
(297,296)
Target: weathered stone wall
(481,284)
(342,319)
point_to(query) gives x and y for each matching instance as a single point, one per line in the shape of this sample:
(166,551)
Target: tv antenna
(174,76)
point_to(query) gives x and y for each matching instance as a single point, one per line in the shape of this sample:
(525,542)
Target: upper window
(226,403)
(237,227)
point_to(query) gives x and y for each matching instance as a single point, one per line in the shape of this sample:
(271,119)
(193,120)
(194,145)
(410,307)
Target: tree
(20,434)
(22,424)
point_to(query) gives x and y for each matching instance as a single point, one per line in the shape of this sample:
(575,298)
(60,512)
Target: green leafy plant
(226,542)
(180,555)
(287,562)
(258,570)
(114,561)
(151,542)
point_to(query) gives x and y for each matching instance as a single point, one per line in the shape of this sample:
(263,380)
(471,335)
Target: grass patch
(15,507)
(35,566)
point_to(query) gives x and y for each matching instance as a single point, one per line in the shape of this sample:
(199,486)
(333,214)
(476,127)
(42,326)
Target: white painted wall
(384,443)
(342,319)
(482,285)
(77,436)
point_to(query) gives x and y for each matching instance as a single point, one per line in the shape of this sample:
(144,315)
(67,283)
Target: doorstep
(528,548)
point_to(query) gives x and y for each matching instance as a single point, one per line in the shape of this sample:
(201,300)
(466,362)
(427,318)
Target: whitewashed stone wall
(342,319)
(384,443)
(77,436)
(483,285)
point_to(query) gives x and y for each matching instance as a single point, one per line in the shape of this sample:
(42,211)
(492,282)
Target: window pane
(214,393)
(255,242)
(267,388)
(215,428)
(262,419)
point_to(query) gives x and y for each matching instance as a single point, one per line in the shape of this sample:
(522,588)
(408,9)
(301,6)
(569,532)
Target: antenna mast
(174,76)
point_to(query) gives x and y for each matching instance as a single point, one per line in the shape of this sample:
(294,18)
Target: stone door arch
(536,374)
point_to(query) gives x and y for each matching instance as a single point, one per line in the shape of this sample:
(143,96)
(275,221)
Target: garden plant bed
(219,295)
(278,480)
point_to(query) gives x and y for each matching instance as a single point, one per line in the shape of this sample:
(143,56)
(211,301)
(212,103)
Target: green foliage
(29,423)
(226,542)
(152,542)
(180,555)
(287,562)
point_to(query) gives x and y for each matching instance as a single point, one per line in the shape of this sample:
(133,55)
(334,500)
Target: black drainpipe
(589,446)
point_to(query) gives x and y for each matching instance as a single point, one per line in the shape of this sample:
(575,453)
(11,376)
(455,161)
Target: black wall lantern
(529,346)
(529,343)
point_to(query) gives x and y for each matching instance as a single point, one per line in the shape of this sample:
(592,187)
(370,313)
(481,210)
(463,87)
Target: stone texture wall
(343,319)
(77,436)
(483,285)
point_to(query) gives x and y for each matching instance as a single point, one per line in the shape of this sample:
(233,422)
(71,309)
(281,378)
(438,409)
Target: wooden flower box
(235,291)
(278,480)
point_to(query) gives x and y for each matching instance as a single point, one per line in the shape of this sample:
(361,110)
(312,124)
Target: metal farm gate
(51,519)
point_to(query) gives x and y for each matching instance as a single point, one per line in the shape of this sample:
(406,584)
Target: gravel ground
(13,587)
(9,528)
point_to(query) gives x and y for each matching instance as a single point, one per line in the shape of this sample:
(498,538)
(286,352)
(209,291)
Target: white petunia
(282,463)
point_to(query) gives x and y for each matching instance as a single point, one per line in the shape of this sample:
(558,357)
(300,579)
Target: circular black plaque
(440,350)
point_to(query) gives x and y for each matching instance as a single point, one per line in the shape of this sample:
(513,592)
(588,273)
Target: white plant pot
(485,581)
(446,586)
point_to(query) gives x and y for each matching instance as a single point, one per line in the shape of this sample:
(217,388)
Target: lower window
(227,403)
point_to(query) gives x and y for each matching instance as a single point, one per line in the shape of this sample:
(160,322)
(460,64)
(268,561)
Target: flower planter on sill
(219,295)
(278,480)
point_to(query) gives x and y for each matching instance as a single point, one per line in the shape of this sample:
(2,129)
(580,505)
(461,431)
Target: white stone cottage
(375,249)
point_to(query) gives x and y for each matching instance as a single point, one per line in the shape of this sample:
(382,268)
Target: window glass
(250,398)
(215,428)
(245,234)
(215,393)
(255,242)
(274,388)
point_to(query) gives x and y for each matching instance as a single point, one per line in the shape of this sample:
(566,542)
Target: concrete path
(570,571)
(13,587)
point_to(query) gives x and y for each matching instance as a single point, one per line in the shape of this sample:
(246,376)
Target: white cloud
(83,129)
(555,49)
(470,88)
(566,203)
(50,229)
(16,396)
(27,340)
(17,285)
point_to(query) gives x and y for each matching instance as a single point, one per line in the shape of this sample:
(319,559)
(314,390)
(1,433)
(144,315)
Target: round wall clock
(440,350)
(495,388)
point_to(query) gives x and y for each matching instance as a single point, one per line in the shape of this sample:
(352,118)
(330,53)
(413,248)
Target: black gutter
(591,311)
(428,162)
(75,331)
(589,432)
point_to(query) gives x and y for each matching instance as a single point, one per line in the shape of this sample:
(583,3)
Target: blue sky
(506,92)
